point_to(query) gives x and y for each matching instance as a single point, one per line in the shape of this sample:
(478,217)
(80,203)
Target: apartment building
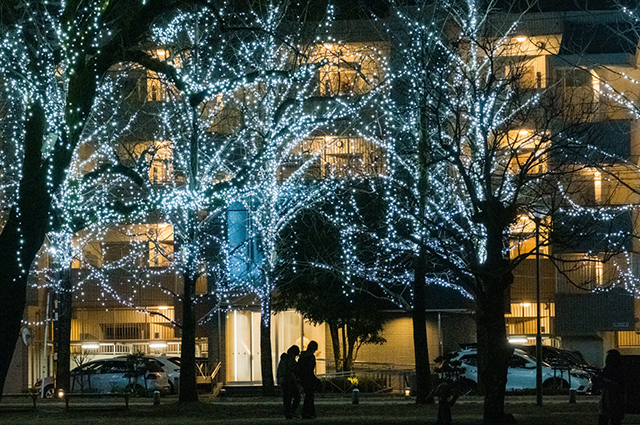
(587,302)
(120,310)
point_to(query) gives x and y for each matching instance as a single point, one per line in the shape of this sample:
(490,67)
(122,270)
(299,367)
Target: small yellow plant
(353,381)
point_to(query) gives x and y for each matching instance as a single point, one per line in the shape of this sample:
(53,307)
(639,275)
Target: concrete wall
(398,353)
(17,377)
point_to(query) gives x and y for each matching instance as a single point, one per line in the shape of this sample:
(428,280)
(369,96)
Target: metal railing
(376,380)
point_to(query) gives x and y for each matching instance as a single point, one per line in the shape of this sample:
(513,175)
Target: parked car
(568,359)
(521,374)
(113,375)
(49,386)
(171,365)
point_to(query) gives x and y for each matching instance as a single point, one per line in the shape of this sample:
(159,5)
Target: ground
(556,410)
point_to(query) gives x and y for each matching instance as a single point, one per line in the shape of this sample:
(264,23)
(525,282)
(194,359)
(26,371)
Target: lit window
(523,151)
(333,156)
(160,245)
(349,68)
(595,84)
(528,46)
(161,162)
(157,89)
(529,73)
(523,236)
(599,272)
(597,186)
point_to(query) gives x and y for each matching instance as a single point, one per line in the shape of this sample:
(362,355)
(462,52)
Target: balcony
(120,288)
(580,272)
(605,44)
(588,314)
(523,288)
(587,233)
(597,143)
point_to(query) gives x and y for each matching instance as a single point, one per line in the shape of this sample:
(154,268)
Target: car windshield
(532,358)
(577,358)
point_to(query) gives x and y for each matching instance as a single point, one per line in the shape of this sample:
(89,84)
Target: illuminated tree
(237,94)
(277,113)
(483,155)
(53,59)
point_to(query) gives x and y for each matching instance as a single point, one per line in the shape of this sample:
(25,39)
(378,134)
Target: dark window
(154,366)
(517,362)
(87,368)
(599,39)
(111,366)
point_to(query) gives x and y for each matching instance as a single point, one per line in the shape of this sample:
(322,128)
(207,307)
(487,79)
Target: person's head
(312,347)
(614,358)
(293,351)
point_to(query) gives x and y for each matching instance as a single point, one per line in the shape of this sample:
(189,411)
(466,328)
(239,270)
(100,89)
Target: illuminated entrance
(243,342)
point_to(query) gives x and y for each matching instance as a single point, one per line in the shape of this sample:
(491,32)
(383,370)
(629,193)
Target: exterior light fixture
(521,38)
(60,393)
(90,346)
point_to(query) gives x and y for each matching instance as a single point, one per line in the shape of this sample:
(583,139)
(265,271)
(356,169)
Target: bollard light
(355,399)
(407,392)
(60,393)
(156,398)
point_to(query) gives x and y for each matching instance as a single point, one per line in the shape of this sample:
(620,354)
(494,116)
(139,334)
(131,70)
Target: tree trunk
(493,355)
(351,344)
(345,360)
(494,351)
(335,341)
(21,238)
(63,334)
(188,385)
(266,366)
(12,301)
(420,346)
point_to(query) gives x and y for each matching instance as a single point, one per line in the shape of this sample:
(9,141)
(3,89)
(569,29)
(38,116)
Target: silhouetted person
(612,402)
(308,380)
(446,400)
(287,375)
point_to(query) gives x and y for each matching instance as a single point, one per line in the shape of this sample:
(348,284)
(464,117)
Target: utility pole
(538,321)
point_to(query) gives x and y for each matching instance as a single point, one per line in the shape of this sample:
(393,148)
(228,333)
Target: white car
(171,366)
(521,374)
(113,375)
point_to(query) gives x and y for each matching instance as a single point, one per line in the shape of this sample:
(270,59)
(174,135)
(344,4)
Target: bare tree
(484,155)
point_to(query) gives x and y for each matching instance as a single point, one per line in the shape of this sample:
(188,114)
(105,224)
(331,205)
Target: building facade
(589,305)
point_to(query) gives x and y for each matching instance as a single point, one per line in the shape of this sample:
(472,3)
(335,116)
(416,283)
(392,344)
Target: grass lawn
(555,411)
